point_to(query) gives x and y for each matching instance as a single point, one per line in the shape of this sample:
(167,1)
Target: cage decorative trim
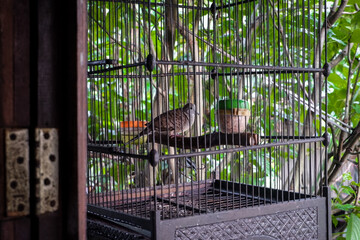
(298,224)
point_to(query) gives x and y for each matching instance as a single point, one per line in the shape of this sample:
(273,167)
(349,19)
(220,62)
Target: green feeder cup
(232,115)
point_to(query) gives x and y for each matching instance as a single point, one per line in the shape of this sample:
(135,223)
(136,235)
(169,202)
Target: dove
(172,122)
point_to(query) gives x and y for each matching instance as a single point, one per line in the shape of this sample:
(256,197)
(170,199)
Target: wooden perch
(207,140)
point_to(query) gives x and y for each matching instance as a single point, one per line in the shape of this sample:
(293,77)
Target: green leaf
(353,182)
(334,220)
(334,189)
(354,2)
(353,228)
(355,37)
(345,207)
(339,41)
(356,108)
(355,22)
(347,176)
(348,190)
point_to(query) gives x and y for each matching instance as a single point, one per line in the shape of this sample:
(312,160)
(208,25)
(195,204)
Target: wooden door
(43,85)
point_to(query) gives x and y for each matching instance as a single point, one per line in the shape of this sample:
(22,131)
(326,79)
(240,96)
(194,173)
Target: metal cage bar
(252,138)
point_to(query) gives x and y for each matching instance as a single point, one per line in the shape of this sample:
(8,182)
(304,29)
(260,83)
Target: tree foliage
(274,37)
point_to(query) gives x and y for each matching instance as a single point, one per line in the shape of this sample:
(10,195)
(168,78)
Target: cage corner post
(327,194)
(156,229)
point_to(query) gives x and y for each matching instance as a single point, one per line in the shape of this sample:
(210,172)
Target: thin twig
(348,145)
(358,188)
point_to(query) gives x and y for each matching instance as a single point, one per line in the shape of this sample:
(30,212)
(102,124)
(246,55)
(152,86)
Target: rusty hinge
(17,172)
(47,170)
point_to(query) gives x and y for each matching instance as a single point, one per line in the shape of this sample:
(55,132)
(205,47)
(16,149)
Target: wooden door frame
(43,62)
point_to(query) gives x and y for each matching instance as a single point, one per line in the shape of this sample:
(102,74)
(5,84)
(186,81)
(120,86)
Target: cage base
(219,210)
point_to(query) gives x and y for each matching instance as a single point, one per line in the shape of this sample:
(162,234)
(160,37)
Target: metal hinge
(18,173)
(47,170)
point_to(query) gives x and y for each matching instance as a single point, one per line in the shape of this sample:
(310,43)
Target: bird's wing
(165,121)
(183,121)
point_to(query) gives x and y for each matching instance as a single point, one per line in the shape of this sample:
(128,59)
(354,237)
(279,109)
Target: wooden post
(43,64)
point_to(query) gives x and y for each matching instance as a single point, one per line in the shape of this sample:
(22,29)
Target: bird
(172,122)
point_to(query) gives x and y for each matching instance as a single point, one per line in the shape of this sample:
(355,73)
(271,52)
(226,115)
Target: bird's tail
(142,133)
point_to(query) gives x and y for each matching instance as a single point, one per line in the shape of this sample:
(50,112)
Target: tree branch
(331,19)
(333,137)
(207,140)
(336,59)
(349,146)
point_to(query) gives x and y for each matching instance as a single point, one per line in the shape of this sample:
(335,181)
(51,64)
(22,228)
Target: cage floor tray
(191,199)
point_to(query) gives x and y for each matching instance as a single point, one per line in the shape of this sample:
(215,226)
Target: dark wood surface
(6,63)
(14,97)
(21,63)
(43,84)
(73,117)
(17,228)
(2,175)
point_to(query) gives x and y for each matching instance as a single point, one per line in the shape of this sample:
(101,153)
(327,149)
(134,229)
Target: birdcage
(208,120)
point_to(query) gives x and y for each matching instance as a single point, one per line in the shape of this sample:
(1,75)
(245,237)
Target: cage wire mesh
(252,69)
